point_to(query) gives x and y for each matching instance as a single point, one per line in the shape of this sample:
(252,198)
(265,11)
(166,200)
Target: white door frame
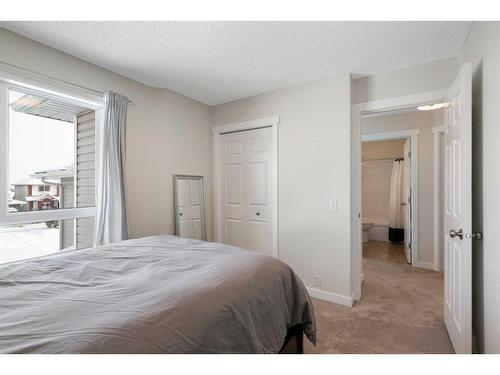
(412,135)
(358,110)
(438,164)
(242,126)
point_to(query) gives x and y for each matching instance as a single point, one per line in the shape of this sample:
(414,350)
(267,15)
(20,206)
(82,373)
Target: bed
(159,294)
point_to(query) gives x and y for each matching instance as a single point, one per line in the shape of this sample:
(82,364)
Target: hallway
(401,310)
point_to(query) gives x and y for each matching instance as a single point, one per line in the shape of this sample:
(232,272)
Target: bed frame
(294,341)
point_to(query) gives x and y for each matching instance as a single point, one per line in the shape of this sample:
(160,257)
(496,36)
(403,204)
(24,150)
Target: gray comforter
(159,294)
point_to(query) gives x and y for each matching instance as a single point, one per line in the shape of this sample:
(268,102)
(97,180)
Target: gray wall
(314,167)
(437,75)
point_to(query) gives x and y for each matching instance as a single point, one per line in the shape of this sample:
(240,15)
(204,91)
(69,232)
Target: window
(47,176)
(30,240)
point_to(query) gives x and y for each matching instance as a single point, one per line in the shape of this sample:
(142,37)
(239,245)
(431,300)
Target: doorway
(399,153)
(389,165)
(457,202)
(386,194)
(397,179)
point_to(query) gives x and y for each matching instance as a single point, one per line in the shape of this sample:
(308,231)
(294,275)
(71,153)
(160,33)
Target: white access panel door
(457,214)
(190,211)
(407,200)
(246,173)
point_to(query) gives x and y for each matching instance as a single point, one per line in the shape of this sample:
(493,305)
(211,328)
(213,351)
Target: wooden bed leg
(294,341)
(300,341)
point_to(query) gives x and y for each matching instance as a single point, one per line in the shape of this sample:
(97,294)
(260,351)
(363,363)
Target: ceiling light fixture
(430,107)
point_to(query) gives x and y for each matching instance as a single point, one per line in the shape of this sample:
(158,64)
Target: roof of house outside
(31,181)
(55,173)
(47,177)
(48,108)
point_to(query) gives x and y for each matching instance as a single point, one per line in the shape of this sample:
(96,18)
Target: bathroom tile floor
(401,310)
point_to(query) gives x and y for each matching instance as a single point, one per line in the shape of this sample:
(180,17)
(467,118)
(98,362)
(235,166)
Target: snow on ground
(27,241)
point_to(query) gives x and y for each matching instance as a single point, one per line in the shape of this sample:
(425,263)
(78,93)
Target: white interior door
(189,198)
(457,214)
(246,174)
(407,200)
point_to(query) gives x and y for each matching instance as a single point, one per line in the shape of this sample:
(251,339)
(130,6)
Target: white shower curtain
(396,210)
(111,215)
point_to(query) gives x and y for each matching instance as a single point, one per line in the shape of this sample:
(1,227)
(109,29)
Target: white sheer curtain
(396,212)
(111,215)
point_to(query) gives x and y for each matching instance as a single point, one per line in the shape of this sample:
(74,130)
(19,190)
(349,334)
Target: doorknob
(180,213)
(459,234)
(257,213)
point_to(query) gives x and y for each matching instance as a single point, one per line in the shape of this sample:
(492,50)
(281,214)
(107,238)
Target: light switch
(333,205)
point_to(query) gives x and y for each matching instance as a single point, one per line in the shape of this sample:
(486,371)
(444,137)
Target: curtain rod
(56,79)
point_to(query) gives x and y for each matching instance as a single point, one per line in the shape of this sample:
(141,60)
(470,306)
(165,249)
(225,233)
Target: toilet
(366,227)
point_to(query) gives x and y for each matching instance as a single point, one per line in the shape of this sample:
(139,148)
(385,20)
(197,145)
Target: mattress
(159,294)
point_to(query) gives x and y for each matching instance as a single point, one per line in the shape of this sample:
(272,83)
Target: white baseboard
(330,297)
(426,265)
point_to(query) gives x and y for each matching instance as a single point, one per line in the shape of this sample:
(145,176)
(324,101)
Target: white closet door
(233,185)
(259,190)
(189,198)
(247,189)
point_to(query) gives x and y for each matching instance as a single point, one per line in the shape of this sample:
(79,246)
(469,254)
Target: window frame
(17,79)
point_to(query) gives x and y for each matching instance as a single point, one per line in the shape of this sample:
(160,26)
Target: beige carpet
(401,310)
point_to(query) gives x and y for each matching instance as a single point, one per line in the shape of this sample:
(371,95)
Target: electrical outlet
(317,280)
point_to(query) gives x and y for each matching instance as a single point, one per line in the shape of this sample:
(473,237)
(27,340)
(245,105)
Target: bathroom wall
(376,183)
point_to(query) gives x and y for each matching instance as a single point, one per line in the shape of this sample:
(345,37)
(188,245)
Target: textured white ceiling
(217,62)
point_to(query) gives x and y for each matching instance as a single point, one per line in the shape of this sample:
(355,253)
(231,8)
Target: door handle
(459,234)
(180,213)
(257,213)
